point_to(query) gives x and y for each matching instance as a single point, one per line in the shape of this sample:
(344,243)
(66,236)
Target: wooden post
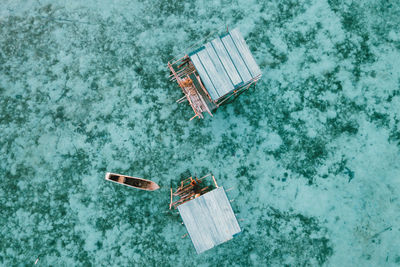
(178,59)
(193,117)
(219,104)
(205,176)
(182,99)
(170,203)
(215,182)
(235,92)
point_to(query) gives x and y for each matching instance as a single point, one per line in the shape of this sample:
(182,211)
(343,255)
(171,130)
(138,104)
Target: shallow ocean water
(312,152)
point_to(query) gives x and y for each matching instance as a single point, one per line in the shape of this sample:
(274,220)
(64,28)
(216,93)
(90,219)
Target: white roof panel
(226,61)
(245,52)
(209,219)
(224,64)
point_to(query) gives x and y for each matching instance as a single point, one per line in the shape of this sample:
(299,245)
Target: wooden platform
(215,73)
(209,219)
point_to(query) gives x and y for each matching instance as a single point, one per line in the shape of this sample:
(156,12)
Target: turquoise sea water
(312,152)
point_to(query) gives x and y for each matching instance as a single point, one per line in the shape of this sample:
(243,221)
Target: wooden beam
(215,182)
(202,87)
(178,59)
(180,100)
(193,117)
(170,203)
(205,105)
(238,91)
(205,176)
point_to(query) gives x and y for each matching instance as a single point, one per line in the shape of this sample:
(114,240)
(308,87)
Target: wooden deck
(184,77)
(209,219)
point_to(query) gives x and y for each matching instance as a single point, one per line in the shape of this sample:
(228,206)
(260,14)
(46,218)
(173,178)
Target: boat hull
(130,181)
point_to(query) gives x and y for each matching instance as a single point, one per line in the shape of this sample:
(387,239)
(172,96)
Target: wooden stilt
(205,176)
(170,203)
(237,91)
(180,100)
(193,117)
(215,182)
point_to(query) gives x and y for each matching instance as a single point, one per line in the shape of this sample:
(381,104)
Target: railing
(180,72)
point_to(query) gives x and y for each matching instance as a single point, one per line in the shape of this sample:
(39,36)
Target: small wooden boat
(135,182)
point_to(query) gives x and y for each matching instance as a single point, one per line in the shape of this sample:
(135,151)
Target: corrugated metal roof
(209,219)
(224,64)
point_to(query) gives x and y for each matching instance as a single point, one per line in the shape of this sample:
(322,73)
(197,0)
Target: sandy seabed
(312,152)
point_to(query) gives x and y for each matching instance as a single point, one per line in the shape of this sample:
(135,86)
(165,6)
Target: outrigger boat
(135,182)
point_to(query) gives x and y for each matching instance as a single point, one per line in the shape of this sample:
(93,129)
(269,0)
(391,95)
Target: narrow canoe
(135,182)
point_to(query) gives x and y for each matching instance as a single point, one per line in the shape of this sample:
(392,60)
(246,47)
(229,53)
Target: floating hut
(216,72)
(206,212)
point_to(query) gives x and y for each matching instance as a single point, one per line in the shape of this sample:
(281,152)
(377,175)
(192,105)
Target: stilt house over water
(206,213)
(216,72)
